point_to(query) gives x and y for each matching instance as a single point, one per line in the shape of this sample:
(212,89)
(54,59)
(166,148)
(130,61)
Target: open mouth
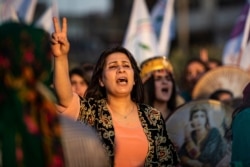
(164,90)
(122,80)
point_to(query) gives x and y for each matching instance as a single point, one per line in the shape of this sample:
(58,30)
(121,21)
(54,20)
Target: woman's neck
(120,104)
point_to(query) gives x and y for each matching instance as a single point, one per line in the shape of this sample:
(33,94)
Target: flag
(45,21)
(8,11)
(13,15)
(140,38)
(244,61)
(163,23)
(26,11)
(233,49)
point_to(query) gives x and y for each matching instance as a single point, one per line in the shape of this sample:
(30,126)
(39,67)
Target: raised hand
(59,41)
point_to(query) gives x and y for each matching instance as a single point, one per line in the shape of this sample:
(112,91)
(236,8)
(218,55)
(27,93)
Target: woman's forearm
(62,83)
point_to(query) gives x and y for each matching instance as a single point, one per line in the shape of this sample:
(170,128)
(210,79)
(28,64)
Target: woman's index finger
(56,25)
(64,25)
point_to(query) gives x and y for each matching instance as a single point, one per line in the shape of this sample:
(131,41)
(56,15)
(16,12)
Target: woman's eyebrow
(112,62)
(123,62)
(126,61)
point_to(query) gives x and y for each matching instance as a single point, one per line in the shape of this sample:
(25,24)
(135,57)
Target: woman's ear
(101,83)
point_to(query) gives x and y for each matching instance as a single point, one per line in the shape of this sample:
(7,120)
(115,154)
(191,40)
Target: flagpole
(246,31)
(245,37)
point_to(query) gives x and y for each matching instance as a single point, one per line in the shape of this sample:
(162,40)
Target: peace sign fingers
(64,26)
(56,24)
(59,41)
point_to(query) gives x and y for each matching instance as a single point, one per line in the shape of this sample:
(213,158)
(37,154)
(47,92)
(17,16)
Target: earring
(101,83)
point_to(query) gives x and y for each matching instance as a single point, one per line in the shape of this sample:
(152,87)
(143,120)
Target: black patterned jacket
(161,151)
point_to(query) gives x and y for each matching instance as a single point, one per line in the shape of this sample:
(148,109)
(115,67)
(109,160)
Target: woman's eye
(195,116)
(126,66)
(157,79)
(112,66)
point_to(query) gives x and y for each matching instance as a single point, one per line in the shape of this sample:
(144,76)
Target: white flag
(234,48)
(45,22)
(244,62)
(8,11)
(140,38)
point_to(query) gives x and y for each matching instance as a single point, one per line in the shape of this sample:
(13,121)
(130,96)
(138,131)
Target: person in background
(160,86)
(113,106)
(78,81)
(222,95)
(24,129)
(193,71)
(213,63)
(204,145)
(240,131)
(87,69)
(32,134)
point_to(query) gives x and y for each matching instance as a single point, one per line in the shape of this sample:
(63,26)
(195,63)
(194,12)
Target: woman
(78,81)
(112,106)
(240,131)
(193,71)
(204,145)
(160,86)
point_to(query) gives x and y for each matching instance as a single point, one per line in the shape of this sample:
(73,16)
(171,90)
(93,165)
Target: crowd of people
(112,113)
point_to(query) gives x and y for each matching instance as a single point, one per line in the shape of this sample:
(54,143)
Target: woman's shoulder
(150,112)
(145,107)
(91,106)
(92,102)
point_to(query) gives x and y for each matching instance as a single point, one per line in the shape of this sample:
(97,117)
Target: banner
(27,10)
(140,38)
(162,18)
(238,39)
(199,131)
(8,11)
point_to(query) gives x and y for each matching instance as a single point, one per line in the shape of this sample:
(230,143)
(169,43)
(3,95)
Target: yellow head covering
(155,63)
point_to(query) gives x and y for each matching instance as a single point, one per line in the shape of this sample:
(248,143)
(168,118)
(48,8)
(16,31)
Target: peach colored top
(131,145)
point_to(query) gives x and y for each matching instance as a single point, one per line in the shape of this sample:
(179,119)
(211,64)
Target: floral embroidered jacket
(161,151)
